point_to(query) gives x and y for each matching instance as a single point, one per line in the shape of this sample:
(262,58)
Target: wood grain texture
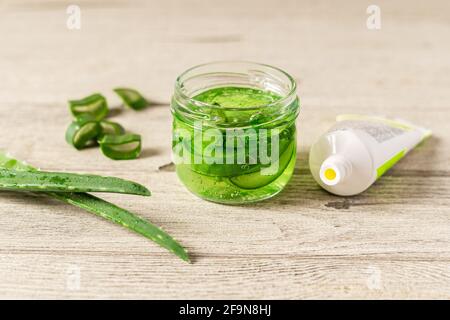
(392,241)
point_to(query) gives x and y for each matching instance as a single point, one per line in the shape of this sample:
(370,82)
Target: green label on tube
(388,164)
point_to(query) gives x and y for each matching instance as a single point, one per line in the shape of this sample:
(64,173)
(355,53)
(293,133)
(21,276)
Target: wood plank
(140,276)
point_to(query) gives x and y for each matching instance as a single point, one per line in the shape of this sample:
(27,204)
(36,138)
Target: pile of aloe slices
(90,127)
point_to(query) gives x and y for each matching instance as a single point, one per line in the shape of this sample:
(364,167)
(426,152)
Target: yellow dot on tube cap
(330,174)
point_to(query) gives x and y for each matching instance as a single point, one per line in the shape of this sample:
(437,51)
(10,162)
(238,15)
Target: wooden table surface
(392,241)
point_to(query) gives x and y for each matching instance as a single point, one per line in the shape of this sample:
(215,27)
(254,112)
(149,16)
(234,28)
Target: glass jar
(234,135)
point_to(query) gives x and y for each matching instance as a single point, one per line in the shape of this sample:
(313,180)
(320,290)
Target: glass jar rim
(292,92)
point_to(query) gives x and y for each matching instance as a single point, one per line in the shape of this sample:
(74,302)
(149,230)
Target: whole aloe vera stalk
(40,181)
(106,210)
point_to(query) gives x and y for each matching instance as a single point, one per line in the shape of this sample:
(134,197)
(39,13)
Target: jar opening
(241,74)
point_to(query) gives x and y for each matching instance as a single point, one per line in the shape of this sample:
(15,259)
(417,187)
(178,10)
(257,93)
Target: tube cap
(335,169)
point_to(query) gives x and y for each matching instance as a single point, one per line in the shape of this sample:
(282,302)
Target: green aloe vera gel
(234,134)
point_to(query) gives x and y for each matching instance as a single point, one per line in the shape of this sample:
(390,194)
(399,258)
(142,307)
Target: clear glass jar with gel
(234,133)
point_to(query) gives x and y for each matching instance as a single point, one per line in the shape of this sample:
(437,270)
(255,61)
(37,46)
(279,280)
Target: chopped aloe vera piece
(224,170)
(43,181)
(121,147)
(256,180)
(82,132)
(132,98)
(111,128)
(94,105)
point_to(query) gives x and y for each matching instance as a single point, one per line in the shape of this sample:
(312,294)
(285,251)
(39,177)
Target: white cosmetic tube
(358,149)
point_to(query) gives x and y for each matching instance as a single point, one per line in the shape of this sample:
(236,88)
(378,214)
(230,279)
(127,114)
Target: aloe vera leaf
(82,132)
(132,98)
(124,218)
(67,182)
(121,147)
(106,210)
(94,105)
